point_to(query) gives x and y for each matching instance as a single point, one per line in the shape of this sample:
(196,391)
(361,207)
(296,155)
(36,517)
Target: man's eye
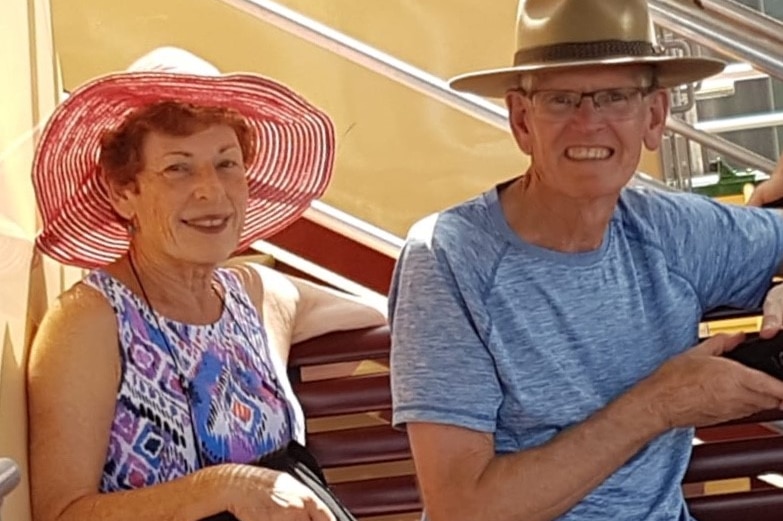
(616,96)
(559,99)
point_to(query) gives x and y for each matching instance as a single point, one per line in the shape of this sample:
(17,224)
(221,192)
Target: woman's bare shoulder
(79,304)
(78,326)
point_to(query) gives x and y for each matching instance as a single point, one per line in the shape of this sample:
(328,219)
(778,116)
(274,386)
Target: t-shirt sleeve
(441,369)
(729,253)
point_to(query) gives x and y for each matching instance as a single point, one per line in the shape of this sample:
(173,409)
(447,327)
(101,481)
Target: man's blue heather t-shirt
(497,335)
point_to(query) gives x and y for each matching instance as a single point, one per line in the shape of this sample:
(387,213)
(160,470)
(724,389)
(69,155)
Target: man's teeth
(588,153)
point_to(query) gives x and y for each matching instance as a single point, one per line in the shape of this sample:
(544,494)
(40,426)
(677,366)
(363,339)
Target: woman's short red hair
(121,157)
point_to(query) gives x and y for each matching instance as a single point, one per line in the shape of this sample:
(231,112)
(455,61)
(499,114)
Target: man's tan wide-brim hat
(564,34)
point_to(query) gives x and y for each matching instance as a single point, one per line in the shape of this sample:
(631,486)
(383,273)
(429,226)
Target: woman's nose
(208,183)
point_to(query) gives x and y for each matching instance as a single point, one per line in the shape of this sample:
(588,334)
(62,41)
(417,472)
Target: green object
(730,182)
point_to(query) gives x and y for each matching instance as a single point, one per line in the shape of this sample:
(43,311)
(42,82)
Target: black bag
(297,461)
(762,354)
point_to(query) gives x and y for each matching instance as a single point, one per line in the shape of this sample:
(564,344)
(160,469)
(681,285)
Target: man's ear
(658,108)
(518,111)
(122,197)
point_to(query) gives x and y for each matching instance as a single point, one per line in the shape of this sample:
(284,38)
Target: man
(543,357)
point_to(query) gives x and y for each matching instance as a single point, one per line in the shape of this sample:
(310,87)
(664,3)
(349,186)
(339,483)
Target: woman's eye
(228,163)
(176,168)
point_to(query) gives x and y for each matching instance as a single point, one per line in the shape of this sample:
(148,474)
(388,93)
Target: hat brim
(671,71)
(292,165)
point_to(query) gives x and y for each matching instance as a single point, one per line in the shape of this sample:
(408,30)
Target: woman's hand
(258,494)
(772,322)
(771,189)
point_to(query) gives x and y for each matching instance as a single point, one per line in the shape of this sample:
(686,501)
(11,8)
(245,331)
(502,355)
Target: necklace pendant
(185,386)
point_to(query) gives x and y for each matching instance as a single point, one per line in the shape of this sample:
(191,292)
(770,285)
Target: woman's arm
(770,190)
(322,310)
(306,309)
(73,377)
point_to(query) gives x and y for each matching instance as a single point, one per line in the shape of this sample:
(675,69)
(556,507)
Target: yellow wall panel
(26,96)
(401,155)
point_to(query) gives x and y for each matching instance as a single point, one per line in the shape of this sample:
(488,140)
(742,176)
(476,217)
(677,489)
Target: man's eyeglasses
(614,103)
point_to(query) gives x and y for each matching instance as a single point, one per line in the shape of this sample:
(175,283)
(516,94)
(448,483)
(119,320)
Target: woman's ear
(656,125)
(518,105)
(122,198)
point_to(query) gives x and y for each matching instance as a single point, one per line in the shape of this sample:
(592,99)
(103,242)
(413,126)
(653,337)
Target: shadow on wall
(27,280)
(16,257)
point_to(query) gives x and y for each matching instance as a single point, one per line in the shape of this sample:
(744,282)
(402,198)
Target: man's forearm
(554,477)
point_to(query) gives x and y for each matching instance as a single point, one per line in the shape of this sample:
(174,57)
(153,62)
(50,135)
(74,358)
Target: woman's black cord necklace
(185,384)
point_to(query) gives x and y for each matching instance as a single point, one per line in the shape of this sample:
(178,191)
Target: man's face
(580,149)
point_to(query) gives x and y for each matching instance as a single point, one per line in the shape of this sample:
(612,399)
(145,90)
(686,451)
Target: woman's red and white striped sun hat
(292,164)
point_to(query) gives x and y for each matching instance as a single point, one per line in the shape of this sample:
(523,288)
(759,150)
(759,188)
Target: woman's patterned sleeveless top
(238,410)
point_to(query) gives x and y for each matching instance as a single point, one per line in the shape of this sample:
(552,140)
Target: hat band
(584,51)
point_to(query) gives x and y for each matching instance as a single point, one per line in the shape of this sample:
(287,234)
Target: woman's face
(188,203)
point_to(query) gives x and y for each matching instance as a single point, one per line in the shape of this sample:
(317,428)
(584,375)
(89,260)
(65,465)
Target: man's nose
(587,111)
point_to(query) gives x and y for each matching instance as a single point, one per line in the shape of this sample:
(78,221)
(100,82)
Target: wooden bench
(342,381)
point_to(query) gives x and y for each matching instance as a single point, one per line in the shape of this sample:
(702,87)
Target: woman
(157,379)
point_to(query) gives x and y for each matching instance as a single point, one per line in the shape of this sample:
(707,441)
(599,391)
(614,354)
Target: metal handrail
(371,58)
(355,229)
(716,33)
(322,274)
(747,122)
(724,146)
(383,63)
(752,20)
(725,36)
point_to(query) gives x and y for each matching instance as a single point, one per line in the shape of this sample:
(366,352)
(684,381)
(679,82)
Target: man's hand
(700,387)
(771,189)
